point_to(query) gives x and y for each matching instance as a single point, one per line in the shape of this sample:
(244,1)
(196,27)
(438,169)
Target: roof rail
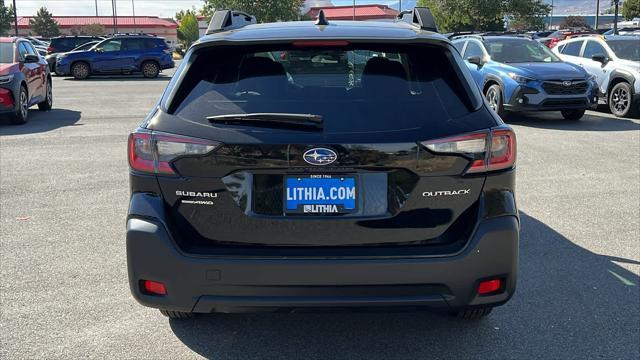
(420,16)
(223,20)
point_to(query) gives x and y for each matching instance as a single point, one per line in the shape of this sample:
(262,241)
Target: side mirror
(601,58)
(475,60)
(29,58)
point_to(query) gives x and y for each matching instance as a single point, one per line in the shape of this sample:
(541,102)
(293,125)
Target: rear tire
(80,70)
(620,100)
(47,104)
(494,98)
(473,313)
(574,115)
(150,69)
(19,117)
(176,314)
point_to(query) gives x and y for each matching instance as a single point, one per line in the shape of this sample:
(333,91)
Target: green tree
(630,9)
(44,24)
(264,10)
(486,15)
(188,31)
(527,14)
(90,29)
(6,18)
(574,22)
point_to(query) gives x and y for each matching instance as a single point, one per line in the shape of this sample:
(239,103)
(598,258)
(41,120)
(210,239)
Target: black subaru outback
(293,166)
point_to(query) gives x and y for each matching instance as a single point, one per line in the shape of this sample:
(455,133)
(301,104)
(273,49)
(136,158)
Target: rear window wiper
(279,120)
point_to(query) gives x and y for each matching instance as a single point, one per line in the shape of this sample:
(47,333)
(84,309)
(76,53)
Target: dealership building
(69,25)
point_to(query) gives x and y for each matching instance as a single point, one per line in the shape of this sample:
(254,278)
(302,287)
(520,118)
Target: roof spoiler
(223,20)
(420,16)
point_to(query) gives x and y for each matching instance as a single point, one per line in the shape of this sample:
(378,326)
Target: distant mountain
(560,7)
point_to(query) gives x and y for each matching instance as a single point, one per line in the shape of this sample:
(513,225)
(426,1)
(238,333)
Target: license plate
(320,194)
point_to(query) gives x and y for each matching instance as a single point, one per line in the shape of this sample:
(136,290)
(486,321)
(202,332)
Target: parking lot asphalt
(64,290)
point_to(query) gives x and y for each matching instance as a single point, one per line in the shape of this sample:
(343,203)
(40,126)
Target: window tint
(519,51)
(572,48)
(30,48)
(361,88)
(22,50)
(459,45)
(473,49)
(593,48)
(6,52)
(111,45)
(136,44)
(626,49)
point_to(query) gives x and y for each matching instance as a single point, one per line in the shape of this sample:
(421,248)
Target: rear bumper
(234,284)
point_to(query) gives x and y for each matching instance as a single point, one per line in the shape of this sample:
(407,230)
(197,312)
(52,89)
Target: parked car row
(83,56)
(614,63)
(25,79)
(516,73)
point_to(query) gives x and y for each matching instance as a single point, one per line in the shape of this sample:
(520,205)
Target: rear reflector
(153,287)
(489,286)
(153,152)
(6,99)
(488,151)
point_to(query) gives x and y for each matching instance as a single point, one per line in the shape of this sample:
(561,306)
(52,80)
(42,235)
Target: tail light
(551,44)
(153,152)
(488,151)
(50,49)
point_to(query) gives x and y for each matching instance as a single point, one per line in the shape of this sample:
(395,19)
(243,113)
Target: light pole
(96,8)
(15,17)
(551,19)
(615,17)
(133,6)
(115,16)
(597,13)
(354,10)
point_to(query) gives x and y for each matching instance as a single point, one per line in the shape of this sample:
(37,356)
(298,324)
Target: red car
(25,80)
(563,34)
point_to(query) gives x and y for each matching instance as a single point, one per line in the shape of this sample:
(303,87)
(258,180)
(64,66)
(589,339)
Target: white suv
(615,62)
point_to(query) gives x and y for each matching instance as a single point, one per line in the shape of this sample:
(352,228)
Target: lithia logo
(446,193)
(197,194)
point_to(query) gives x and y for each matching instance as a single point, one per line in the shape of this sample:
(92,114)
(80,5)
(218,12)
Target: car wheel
(176,314)
(47,104)
(150,69)
(620,100)
(494,99)
(573,114)
(22,108)
(473,313)
(80,70)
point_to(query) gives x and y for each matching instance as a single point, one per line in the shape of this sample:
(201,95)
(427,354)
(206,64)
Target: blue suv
(520,74)
(118,55)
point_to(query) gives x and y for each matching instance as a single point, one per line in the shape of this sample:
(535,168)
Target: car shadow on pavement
(590,122)
(120,78)
(570,303)
(41,121)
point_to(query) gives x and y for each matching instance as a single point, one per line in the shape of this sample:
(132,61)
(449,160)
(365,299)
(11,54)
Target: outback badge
(320,156)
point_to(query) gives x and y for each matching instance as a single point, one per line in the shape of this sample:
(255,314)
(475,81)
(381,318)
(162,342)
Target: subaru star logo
(320,156)
(566,83)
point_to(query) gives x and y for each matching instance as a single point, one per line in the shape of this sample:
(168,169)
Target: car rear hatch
(277,158)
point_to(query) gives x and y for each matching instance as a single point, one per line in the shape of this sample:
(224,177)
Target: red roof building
(165,28)
(362,12)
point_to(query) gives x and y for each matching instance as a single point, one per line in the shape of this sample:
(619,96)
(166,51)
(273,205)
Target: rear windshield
(354,88)
(6,52)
